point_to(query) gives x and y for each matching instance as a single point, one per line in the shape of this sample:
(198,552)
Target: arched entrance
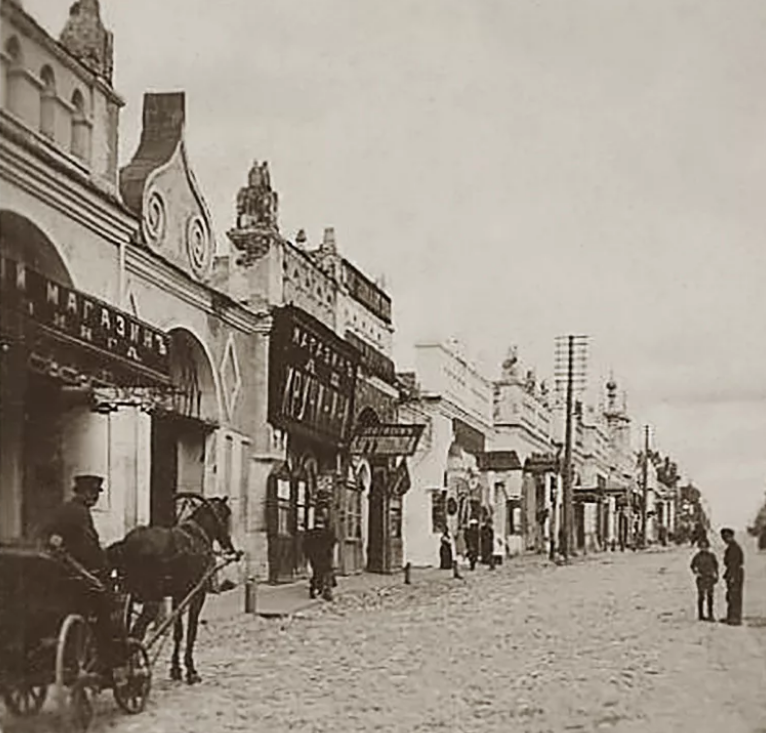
(181,429)
(32,404)
(291,504)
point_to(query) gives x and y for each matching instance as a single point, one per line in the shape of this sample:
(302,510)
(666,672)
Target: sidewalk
(274,601)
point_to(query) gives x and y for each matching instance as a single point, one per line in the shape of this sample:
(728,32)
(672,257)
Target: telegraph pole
(645,486)
(570,351)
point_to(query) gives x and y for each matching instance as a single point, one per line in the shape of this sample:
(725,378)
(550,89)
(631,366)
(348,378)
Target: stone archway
(182,450)
(32,406)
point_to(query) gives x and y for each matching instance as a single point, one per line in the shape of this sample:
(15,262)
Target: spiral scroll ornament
(198,246)
(155,218)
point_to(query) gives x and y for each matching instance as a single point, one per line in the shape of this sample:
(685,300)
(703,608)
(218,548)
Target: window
(48,102)
(302,504)
(438,511)
(353,514)
(78,144)
(15,62)
(395,515)
(283,507)
(513,516)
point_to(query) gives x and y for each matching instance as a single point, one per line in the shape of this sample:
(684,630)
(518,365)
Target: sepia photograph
(392,366)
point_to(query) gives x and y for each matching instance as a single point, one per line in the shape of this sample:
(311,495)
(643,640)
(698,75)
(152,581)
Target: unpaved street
(607,644)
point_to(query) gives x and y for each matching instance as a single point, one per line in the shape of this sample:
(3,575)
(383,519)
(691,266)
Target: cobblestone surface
(609,643)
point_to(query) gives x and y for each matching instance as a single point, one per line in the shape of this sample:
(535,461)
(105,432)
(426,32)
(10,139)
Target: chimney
(86,38)
(163,125)
(328,241)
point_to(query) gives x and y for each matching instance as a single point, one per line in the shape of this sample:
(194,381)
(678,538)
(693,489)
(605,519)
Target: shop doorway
(43,487)
(32,413)
(180,431)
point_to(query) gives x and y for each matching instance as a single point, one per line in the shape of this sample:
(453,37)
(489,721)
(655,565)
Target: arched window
(48,102)
(79,142)
(12,70)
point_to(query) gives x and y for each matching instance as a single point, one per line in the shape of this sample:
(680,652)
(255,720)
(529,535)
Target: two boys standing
(704,565)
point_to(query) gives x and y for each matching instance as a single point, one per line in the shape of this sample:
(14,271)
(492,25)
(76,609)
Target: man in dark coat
(71,529)
(734,575)
(472,542)
(319,545)
(487,543)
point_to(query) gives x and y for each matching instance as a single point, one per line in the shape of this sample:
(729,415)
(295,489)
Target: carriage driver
(71,527)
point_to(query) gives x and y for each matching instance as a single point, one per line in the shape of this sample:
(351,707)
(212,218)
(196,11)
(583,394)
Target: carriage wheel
(133,680)
(76,678)
(26,700)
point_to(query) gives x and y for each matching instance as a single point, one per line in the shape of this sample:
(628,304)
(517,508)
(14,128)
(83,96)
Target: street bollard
(407,574)
(250,594)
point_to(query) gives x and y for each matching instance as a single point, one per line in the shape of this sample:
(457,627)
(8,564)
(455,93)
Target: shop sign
(366,292)
(312,376)
(386,440)
(400,480)
(372,360)
(76,317)
(467,437)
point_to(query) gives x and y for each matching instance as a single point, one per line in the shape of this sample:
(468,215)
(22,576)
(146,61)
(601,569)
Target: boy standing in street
(705,568)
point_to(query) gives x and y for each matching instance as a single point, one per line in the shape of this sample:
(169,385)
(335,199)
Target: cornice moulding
(144,263)
(66,195)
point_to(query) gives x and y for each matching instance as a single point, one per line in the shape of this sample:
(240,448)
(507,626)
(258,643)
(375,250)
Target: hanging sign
(312,377)
(386,440)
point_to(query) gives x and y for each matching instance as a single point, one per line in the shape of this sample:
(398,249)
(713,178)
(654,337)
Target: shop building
(201,434)
(369,505)
(453,401)
(326,374)
(523,419)
(68,333)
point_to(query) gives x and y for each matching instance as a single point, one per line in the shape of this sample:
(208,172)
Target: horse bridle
(219,523)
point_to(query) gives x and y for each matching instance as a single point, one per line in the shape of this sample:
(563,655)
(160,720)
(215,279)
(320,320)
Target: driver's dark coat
(74,523)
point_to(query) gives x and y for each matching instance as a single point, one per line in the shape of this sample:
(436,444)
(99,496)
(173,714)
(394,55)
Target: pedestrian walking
(734,575)
(445,551)
(472,542)
(498,551)
(318,548)
(705,568)
(487,540)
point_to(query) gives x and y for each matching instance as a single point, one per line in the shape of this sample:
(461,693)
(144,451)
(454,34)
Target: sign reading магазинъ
(82,318)
(386,440)
(312,377)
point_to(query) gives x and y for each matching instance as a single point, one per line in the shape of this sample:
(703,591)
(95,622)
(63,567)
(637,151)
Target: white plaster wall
(420,544)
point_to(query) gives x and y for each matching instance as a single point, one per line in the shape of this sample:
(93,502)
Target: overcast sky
(517,169)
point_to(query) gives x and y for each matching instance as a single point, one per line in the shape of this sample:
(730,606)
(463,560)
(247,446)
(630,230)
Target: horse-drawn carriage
(47,633)
(47,640)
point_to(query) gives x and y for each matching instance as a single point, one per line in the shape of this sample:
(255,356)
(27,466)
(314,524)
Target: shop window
(283,507)
(302,507)
(353,514)
(438,511)
(395,517)
(48,102)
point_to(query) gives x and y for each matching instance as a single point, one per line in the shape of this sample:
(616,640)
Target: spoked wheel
(25,700)
(133,679)
(76,679)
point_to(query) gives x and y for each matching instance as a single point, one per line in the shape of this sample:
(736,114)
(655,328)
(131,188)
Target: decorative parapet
(257,224)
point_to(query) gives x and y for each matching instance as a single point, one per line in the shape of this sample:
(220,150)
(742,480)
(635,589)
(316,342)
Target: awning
(78,338)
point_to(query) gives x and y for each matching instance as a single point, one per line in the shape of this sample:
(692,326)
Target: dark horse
(156,562)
